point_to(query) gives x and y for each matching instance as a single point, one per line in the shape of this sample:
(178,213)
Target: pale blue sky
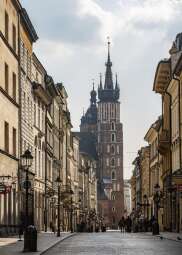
(72,47)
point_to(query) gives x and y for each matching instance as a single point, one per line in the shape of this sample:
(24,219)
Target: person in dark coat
(20,231)
(121,224)
(128,224)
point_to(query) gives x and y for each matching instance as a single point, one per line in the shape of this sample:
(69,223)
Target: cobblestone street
(116,243)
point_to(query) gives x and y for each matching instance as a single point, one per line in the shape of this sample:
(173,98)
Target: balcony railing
(164,142)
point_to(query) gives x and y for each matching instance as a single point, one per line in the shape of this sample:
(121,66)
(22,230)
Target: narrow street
(115,243)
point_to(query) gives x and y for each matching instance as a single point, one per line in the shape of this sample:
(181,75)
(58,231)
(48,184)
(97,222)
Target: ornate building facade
(103,121)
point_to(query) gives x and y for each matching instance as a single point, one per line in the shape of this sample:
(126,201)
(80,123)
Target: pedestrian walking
(128,224)
(121,224)
(20,232)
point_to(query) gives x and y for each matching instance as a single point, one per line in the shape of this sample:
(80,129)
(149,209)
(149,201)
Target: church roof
(87,143)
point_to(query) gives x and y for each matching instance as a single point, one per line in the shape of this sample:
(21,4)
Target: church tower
(89,119)
(110,149)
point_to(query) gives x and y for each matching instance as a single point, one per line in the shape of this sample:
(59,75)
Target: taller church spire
(108,76)
(108,93)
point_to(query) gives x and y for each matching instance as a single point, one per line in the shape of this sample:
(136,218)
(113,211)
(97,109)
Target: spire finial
(93,81)
(108,43)
(116,87)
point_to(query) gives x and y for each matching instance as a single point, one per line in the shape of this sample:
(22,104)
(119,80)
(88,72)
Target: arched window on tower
(112,162)
(113,175)
(113,137)
(112,126)
(112,149)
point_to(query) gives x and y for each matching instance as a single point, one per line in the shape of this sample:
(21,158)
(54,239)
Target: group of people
(125,224)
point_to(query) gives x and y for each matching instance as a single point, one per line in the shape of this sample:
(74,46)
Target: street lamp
(157,197)
(59,181)
(71,214)
(26,162)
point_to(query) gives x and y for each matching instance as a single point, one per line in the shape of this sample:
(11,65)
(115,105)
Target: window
(107,162)
(113,209)
(14,86)
(113,197)
(112,149)
(14,141)
(118,149)
(118,161)
(112,126)
(108,148)
(35,114)
(39,167)
(113,137)
(113,175)
(112,162)
(14,38)
(6,26)
(35,161)
(6,78)
(6,136)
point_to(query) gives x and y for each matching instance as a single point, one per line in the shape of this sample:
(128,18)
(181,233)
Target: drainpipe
(170,128)
(45,209)
(19,125)
(179,114)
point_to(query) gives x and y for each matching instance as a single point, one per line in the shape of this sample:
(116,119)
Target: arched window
(112,162)
(112,126)
(113,137)
(113,175)
(113,197)
(112,149)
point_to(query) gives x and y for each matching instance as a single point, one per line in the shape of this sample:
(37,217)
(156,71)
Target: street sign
(180,187)
(27,184)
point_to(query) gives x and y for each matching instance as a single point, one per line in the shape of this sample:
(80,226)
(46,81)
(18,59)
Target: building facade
(9,111)
(127,197)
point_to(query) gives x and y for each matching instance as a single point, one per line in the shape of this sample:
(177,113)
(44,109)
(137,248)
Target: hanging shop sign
(4,188)
(27,184)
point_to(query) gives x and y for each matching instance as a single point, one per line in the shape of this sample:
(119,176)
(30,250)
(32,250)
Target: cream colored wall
(8,58)
(6,5)
(173,90)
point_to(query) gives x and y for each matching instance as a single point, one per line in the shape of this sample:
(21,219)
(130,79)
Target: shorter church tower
(89,119)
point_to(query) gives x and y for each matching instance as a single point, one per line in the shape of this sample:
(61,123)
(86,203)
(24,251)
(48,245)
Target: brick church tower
(110,149)
(101,135)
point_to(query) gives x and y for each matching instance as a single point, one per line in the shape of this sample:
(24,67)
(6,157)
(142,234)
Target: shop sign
(27,184)
(2,188)
(180,187)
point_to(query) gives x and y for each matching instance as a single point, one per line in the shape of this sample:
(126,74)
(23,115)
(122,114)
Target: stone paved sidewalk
(169,235)
(11,245)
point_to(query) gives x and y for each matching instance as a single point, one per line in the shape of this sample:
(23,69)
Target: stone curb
(59,241)
(168,238)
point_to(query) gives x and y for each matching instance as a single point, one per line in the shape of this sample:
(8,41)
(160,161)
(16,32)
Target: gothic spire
(108,76)
(116,86)
(93,95)
(100,85)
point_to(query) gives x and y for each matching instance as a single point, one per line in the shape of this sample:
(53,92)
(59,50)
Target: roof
(162,76)
(28,25)
(87,143)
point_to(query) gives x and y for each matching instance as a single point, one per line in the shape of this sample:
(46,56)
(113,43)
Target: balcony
(66,191)
(164,142)
(162,76)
